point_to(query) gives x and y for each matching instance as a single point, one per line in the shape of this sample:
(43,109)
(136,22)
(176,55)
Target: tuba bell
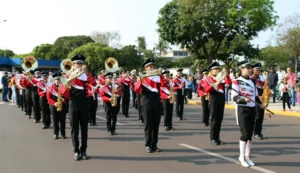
(66,65)
(29,63)
(111,64)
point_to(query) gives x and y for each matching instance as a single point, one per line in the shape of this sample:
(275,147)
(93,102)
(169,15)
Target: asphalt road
(26,148)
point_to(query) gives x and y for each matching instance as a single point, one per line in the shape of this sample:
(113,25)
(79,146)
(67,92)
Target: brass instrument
(29,63)
(265,97)
(172,94)
(114,97)
(220,76)
(111,65)
(66,66)
(145,74)
(59,101)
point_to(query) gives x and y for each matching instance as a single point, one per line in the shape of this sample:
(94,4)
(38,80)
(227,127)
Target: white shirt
(281,75)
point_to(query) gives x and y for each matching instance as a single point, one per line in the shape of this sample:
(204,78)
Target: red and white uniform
(178,82)
(52,93)
(101,79)
(165,89)
(24,82)
(106,92)
(41,86)
(210,80)
(152,83)
(125,81)
(80,80)
(200,88)
(91,86)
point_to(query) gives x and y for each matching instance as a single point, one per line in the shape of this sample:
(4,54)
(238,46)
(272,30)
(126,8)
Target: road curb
(276,112)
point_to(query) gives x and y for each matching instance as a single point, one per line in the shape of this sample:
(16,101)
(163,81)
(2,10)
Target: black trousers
(286,99)
(45,111)
(216,107)
(133,98)
(28,100)
(205,110)
(59,120)
(259,119)
(79,117)
(179,105)
(111,116)
(167,112)
(189,93)
(17,91)
(151,115)
(23,101)
(246,118)
(36,104)
(139,104)
(125,103)
(93,106)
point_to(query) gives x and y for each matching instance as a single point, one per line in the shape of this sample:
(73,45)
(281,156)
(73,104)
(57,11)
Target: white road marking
(225,158)
(121,124)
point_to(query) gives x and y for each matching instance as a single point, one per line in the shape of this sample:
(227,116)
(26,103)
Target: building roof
(17,62)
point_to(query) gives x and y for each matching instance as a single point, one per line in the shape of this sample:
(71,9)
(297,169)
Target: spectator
(285,89)
(281,74)
(291,80)
(4,87)
(298,95)
(273,80)
(190,83)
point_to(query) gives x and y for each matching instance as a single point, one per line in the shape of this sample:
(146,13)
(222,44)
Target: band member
(244,93)
(115,81)
(204,98)
(42,89)
(125,85)
(260,82)
(101,78)
(25,81)
(149,88)
(139,104)
(93,100)
(22,93)
(216,102)
(111,111)
(165,94)
(78,107)
(59,116)
(179,86)
(133,81)
(35,97)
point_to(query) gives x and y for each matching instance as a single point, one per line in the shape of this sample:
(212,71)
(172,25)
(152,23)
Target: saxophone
(113,96)
(265,97)
(172,98)
(60,101)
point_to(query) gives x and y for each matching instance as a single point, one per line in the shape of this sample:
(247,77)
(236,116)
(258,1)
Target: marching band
(75,92)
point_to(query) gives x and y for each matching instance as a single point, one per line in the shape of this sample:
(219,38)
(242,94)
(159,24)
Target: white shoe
(249,161)
(243,162)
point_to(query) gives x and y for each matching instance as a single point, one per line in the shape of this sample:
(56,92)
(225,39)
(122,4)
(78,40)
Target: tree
(149,54)
(277,54)
(6,53)
(164,62)
(96,54)
(162,46)
(142,45)
(202,25)
(184,62)
(111,38)
(42,51)
(128,58)
(289,37)
(64,45)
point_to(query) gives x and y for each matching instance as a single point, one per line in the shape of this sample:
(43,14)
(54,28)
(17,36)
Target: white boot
(242,154)
(247,154)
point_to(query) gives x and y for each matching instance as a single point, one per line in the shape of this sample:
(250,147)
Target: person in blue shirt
(4,83)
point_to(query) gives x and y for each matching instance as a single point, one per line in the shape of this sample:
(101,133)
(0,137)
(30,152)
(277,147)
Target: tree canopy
(6,53)
(201,26)
(111,38)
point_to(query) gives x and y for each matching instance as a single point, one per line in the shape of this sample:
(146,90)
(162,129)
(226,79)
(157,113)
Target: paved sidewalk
(274,107)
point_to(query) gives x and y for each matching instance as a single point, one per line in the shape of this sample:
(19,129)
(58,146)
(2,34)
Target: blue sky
(32,22)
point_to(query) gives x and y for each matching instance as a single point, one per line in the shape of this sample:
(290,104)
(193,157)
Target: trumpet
(219,78)
(145,74)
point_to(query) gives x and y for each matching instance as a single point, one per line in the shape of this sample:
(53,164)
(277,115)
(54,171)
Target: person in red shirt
(216,102)
(101,78)
(165,94)
(59,117)
(179,85)
(25,82)
(149,88)
(42,89)
(125,83)
(204,98)
(110,110)
(93,100)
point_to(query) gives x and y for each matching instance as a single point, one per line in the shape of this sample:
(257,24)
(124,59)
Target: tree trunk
(296,64)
